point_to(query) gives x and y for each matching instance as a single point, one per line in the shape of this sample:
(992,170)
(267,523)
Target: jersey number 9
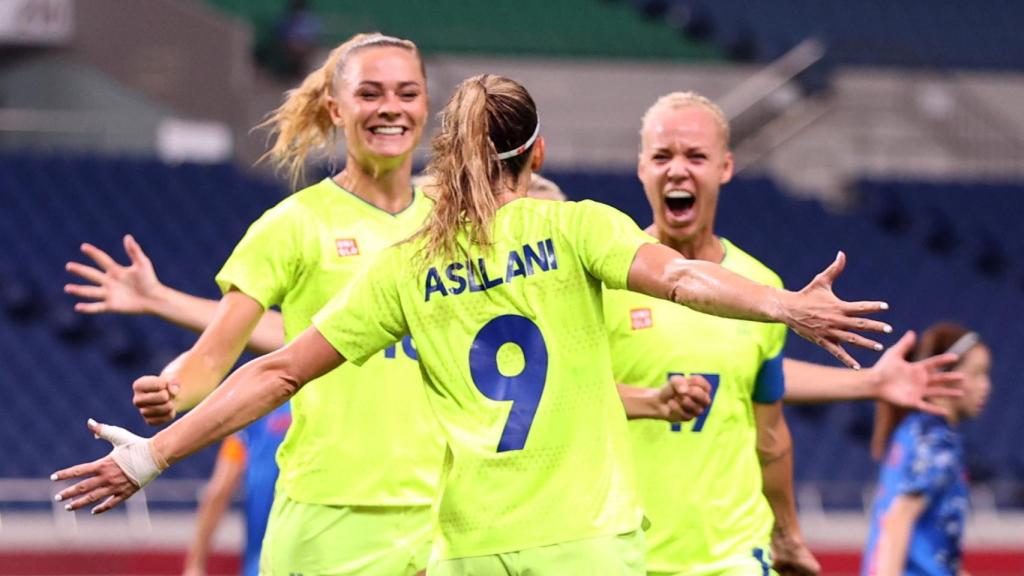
(523,389)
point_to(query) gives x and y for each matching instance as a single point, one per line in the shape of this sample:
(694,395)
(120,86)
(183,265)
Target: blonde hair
(677,100)
(544,189)
(486,115)
(302,124)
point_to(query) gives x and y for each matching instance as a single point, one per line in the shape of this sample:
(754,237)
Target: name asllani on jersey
(472,275)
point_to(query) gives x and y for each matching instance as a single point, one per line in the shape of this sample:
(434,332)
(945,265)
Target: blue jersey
(261,440)
(925,458)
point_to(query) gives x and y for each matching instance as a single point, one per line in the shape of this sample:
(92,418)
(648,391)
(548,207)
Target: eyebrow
(375,84)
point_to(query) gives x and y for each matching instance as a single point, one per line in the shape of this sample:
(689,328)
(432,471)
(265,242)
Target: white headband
(964,343)
(521,149)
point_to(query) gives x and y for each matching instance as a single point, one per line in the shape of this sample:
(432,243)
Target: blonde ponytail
(485,111)
(302,124)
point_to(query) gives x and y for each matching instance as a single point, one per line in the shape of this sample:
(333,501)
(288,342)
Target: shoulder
(743,263)
(301,203)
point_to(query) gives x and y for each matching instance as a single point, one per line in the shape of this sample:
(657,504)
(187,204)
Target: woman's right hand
(154,397)
(115,288)
(818,315)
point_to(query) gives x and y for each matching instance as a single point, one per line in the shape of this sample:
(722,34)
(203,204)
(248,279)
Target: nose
(389,105)
(677,169)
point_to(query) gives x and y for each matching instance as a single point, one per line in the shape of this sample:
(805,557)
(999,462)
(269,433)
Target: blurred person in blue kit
(917,521)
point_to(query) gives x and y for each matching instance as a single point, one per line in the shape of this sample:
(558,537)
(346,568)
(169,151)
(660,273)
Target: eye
(409,96)
(367,94)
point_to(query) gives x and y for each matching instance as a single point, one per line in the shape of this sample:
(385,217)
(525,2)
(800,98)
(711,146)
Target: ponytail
(485,113)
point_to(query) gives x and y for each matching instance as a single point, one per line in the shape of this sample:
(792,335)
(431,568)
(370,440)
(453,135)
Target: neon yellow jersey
(516,361)
(360,436)
(700,482)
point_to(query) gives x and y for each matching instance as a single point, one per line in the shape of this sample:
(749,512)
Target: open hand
(114,288)
(818,315)
(105,479)
(912,385)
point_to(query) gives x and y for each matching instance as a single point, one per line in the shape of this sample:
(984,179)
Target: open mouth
(679,202)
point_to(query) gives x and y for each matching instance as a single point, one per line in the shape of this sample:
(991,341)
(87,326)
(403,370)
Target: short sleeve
(770,385)
(932,465)
(607,241)
(367,317)
(267,261)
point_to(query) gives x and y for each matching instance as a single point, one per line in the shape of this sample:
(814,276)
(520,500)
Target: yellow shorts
(314,540)
(757,564)
(621,555)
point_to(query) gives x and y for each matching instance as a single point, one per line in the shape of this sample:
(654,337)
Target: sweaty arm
(814,312)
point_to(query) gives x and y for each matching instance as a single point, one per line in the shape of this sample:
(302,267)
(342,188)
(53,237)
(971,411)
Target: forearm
(215,501)
(196,373)
(777,475)
(704,286)
(640,402)
(195,314)
(809,383)
(250,393)
(892,549)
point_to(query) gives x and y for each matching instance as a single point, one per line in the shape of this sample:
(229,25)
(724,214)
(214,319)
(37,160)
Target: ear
(537,159)
(334,110)
(727,168)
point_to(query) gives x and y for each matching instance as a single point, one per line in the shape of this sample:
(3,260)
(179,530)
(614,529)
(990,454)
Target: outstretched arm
(251,392)
(893,379)
(814,312)
(135,289)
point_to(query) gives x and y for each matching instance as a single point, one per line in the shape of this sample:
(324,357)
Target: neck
(521,189)
(386,187)
(701,247)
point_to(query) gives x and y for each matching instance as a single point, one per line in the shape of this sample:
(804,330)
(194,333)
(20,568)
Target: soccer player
(737,505)
(246,455)
(503,296)
(918,517)
(360,464)
(736,456)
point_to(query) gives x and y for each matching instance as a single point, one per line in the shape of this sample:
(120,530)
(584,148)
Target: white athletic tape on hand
(133,454)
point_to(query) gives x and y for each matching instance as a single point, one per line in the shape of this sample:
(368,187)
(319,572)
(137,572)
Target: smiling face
(684,160)
(380,101)
(975,366)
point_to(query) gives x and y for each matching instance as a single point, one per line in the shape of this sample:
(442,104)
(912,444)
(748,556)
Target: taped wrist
(140,463)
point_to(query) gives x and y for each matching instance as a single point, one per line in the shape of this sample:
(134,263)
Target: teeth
(679,194)
(387,130)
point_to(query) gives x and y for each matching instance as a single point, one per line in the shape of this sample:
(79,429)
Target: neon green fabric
(515,358)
